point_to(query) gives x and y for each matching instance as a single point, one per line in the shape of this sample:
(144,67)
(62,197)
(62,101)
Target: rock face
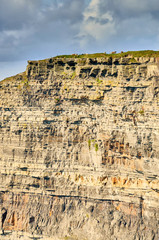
(79,149)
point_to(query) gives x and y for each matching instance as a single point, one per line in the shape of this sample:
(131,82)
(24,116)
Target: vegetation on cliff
(82,60)
(143,53)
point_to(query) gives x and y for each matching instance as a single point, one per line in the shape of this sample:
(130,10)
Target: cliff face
(79,149)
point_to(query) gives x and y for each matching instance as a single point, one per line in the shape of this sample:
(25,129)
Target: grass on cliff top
(143,53)
(132,54)
(13,78)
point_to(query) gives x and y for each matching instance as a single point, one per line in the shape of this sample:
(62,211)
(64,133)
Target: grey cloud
(28,27)
(43,28)
(130,8)
(16,13)
(125,24)
(68,10)
(98,20)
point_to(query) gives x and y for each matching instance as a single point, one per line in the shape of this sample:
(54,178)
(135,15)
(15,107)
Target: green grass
(141,112)
(133,60)
(82,57)
(142,53)
(89,144)
(131,54)
(73,75)
(96,146)
(99,81)
(14,78)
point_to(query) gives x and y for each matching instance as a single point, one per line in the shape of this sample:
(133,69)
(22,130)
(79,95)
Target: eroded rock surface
(79,149)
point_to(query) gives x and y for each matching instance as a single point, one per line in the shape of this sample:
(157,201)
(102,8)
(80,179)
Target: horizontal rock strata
(79,149)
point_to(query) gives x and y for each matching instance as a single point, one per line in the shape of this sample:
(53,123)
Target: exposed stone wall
(80,218)
(80,148)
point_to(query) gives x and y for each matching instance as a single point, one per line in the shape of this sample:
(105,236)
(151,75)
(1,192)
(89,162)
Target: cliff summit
(79,152)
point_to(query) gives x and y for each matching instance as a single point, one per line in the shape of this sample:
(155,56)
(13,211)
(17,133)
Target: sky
(39,29)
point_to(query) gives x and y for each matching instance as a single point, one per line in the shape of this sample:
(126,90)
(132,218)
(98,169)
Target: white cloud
(99,26)
(43,28)
(120,24)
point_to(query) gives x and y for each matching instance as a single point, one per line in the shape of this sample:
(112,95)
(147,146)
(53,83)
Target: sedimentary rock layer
(79,149)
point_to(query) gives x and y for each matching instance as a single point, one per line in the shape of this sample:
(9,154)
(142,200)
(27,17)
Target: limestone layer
(79,149)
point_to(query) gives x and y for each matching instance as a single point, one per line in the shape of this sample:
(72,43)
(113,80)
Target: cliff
(79,149)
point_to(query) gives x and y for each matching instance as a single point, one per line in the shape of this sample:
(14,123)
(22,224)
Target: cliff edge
(79,152)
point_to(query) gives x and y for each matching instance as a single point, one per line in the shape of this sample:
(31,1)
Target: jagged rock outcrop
(79,152)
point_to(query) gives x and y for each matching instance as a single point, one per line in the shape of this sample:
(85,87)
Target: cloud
(129,8)
(96,24)
(15,14)
(28,27)
(32,29)
(122,24)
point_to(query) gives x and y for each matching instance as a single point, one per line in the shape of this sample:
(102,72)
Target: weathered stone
(79,150)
